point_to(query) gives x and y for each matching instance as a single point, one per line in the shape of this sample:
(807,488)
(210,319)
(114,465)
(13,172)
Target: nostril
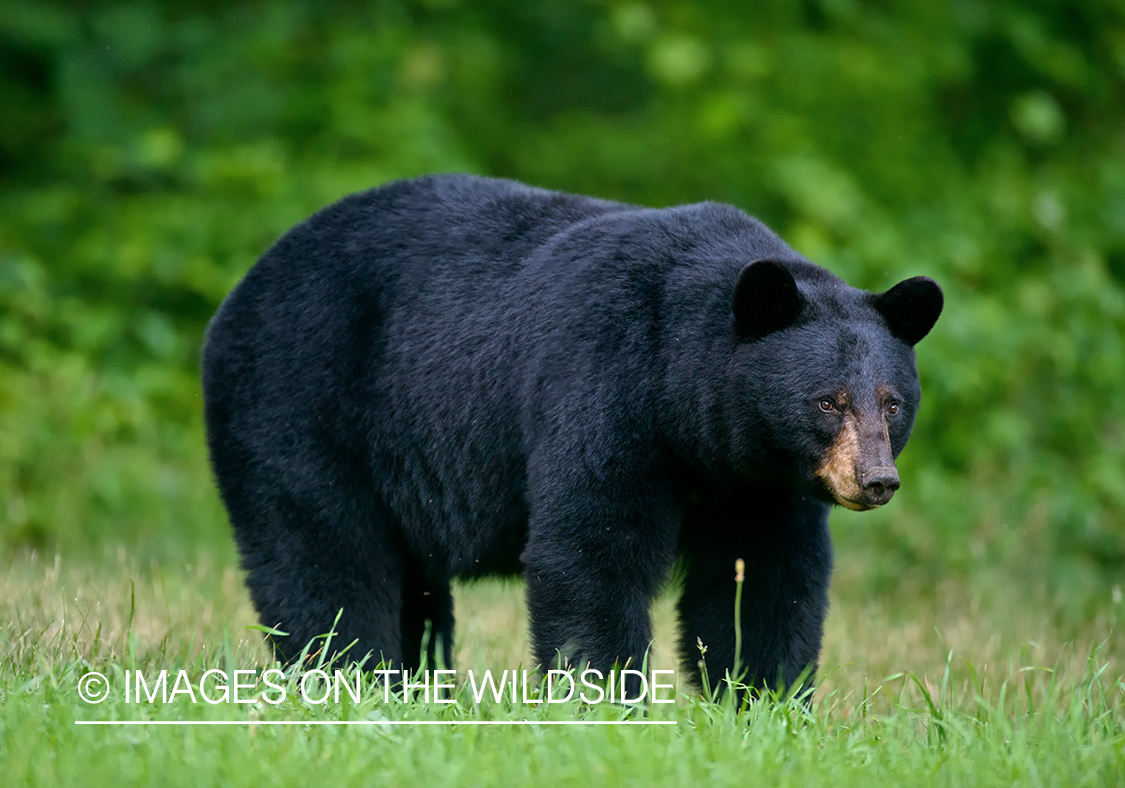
(881,485)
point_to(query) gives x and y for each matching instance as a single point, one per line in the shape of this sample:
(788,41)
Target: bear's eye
(892,408)
(827,405)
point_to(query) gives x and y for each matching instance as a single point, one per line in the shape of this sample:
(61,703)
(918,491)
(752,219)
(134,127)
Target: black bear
(454,376)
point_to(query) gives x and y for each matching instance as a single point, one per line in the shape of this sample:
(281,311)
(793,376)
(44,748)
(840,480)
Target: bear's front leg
(782,536)
(593,565)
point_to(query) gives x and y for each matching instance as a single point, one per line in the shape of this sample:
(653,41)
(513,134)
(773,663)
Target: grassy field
(942,690)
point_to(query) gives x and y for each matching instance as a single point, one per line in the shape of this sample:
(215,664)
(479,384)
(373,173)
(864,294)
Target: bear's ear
(910,308)
(766,298)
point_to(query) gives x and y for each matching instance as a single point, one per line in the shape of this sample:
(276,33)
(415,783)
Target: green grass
(942,695)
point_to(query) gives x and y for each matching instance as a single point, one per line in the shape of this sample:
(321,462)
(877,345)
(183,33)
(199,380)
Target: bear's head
(827,374)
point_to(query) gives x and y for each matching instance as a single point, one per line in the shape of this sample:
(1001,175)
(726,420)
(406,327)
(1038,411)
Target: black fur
(456,376)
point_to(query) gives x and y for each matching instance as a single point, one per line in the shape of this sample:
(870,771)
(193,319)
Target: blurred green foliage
(150,151)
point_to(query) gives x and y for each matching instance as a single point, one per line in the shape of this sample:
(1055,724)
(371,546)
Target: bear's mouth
(856,506)
(824,492)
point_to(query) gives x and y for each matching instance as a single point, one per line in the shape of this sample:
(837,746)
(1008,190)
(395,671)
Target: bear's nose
(879,484)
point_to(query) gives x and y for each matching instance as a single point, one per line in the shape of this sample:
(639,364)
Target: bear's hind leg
(426,600)
(307,563)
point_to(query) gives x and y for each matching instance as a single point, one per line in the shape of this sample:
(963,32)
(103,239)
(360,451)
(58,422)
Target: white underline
(375,722)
